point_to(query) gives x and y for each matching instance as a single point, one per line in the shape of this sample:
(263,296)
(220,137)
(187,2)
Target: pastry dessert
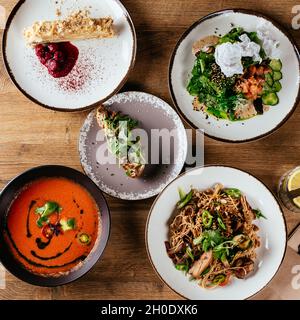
(128,153)
(77,26)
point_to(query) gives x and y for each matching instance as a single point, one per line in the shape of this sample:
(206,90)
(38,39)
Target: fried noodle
(213,238)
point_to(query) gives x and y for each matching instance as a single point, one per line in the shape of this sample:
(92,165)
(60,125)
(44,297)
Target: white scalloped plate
(152,113)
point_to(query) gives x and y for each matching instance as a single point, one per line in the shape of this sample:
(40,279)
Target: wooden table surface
(26,129)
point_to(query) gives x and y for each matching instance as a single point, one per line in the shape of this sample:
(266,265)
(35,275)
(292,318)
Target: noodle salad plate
(235,74)
(216,233)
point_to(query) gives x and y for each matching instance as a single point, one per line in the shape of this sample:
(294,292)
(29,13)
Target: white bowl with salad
(235,74)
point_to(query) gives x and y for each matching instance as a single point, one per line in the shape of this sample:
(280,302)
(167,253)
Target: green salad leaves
(218,95)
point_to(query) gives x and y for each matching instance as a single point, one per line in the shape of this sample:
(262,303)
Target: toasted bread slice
(204,44)
(133,170)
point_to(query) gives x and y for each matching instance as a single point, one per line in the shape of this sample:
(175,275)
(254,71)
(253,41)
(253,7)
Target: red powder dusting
(84,76)
(79,77)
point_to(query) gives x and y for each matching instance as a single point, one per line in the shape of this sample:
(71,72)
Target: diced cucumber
(269,79)
(270,99)
(276,65)
(277,86)
(267,88)
(277,75)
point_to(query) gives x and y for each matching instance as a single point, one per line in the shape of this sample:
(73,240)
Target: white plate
(152,113)
(103,64)
(272,233)
(182,63)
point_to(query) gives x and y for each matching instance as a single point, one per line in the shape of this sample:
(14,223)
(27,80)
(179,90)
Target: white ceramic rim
(121,84)
(159,104)
(212,166)
(189,30)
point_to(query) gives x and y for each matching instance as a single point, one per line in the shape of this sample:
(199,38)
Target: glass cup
(287,196)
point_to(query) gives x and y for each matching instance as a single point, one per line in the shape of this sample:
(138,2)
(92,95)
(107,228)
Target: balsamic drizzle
(53,257)
(41,244)
(81,258)
(78,206)
(29,234)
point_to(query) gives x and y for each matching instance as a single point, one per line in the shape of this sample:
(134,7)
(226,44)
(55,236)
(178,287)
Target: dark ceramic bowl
(7,196)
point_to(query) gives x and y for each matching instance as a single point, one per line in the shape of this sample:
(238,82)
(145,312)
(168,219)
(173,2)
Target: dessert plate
(152,114)
(272,233)
(102,67)
(182,61)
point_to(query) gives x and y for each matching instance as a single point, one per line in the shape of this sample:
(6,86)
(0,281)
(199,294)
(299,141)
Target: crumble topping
(78,25)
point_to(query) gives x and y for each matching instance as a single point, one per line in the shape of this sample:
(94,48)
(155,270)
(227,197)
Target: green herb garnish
(221,223)
(207,219)
(120,139)
(190,253)
(185,200)
(182,267)
(45,211)
(232,36)
(68,224)
(221,251)
(232,192)
(182,194)
(209,239)
(259,214)
(219,279)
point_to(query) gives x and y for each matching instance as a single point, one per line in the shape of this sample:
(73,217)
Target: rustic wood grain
(26,130)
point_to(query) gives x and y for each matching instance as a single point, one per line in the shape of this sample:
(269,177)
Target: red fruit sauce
(58,58)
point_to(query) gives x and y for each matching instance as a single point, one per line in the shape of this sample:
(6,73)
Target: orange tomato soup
(47,249)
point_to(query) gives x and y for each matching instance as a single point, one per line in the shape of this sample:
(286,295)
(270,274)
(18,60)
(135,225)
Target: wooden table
(27,129)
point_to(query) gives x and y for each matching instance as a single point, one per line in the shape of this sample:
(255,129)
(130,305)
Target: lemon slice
(293,184)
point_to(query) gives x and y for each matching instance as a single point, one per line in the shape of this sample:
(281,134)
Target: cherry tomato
(54,218)
(47,231)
